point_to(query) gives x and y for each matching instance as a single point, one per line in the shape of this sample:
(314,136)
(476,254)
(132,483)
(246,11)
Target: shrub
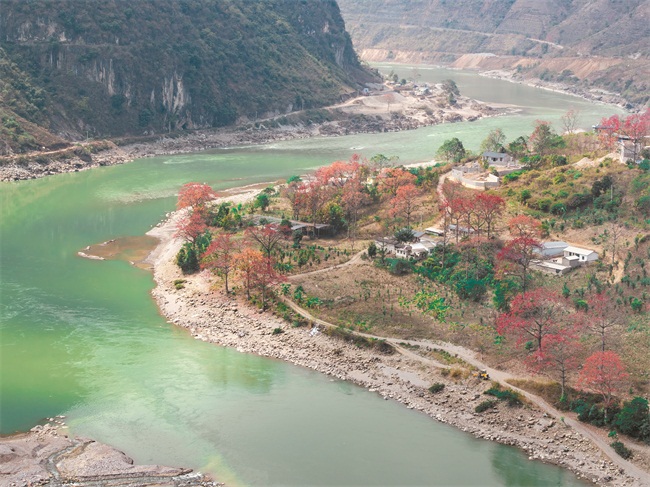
(372,250)
(621,449)
(632,417)
(179,283)
(277,331)
(511,397)
(485,405)
(397,267)
(436,387)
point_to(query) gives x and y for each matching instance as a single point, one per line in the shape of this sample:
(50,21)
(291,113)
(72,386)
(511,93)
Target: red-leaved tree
(405,202)
(267,236)
(194,195)
(264,276)
(558,357)
(488,208)
(220,256)
(604,374)
(190,226)
(534,315)
(247,261)
(517,256)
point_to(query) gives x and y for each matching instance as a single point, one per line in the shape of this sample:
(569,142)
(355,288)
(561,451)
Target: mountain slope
(528,36)
(114,68)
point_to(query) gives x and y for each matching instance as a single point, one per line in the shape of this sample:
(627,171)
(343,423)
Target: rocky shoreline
(595,95)
(46,455)
(355,116)
(226,321)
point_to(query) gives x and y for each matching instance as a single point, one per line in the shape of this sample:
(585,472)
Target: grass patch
(485,405)
(512,398)
(621,449)
(180,283)
(362,342)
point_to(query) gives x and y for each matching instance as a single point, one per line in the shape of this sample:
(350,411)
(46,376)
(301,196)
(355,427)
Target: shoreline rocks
(46,455)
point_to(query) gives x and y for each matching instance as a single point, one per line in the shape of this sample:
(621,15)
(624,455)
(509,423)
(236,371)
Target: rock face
(46,456)
(106,69)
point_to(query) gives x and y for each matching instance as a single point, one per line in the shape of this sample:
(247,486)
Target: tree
(353,197)
(604,374)
(636,127)
(404,235)
(190,226)
(388,98)
(262,201)
(544,140)
(557,358)
(489,208)
(380,161)
(494,141)
(602,316)
(247,261)
(451,150)
(518,147)
(265,276)
(519,253)
(570,121)
(633,418)
(268,237)
(608,130)
(194,195)
(534,315)
(392,179)
(405,202)
(525,226)
(220,256)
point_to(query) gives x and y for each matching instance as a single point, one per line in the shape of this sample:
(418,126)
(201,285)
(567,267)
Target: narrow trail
(469,356)
(356,258)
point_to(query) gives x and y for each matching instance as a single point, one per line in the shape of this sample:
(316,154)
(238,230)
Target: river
(83,338)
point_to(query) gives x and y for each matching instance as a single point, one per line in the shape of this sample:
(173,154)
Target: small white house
(497,158)
(583,255)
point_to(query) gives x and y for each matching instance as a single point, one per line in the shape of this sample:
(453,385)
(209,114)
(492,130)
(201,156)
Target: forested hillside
(109,68)
(599,43)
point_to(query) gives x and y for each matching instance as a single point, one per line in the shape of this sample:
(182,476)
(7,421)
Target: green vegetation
(621,449)
(156,67)
(511,397)
(436,387)
(485,405)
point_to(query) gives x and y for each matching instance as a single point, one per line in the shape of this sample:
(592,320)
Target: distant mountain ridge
(615,32)
(111,68)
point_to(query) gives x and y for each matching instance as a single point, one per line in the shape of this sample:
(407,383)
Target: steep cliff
(606,39)
(112,67)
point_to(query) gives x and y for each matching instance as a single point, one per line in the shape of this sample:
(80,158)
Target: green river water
(83,338)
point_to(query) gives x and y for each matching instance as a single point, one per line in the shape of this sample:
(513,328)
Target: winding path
(469,356)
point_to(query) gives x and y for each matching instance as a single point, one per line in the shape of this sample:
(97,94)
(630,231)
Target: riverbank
(211,316)
(374,113)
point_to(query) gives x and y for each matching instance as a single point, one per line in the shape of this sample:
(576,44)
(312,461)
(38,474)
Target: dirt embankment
(213,317)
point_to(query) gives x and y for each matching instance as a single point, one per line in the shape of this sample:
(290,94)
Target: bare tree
(570,121)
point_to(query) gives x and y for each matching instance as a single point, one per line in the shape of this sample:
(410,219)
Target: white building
(583,255)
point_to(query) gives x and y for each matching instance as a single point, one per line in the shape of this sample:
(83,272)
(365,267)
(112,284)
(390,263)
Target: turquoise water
(83,338)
